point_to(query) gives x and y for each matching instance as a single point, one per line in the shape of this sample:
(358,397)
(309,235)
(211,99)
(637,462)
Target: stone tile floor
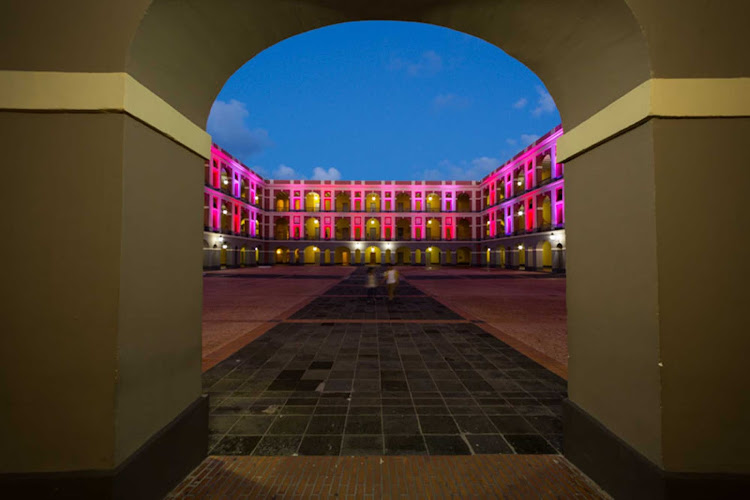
(395,386)
(440,408)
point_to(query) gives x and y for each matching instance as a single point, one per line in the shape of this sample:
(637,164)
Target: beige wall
(612,291)
(205,42)
(102,307)
(63,183)
(703,226)
(87,340)
(159,328)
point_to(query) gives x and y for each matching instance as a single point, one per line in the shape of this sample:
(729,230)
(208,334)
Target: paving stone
(305,380)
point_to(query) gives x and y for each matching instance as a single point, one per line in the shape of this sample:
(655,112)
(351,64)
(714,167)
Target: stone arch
(463,256)
(342,255)
(588,53)
(403,256)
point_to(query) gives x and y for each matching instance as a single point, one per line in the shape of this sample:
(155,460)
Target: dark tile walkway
(388,387)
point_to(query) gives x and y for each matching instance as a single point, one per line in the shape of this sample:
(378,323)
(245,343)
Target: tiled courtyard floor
(402,386)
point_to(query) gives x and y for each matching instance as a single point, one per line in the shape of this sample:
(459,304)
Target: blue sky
(380,101)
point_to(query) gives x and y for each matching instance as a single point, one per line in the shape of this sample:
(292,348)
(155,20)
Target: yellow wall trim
(659,97)
(113,92)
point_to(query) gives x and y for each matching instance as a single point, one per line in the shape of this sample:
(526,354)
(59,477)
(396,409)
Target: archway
(432,204)
(343,229)
(282,202)
(600,43)
(432,256)
(463,202)
(312,228)
(372,229)
(403,256)
(403,202)
(281,228)
(463,256)
(417,256)
(282,255)
(388,259)
(312,255)
(372,255)
(343,202)
(372,202)
(342,256)
(357,256)
(433,229)
(312,202)
(521,257)
(327,256)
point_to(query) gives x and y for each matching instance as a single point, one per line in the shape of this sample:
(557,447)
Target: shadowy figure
(391,281)
(371,283)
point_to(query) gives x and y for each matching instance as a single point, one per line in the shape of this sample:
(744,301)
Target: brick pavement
(468,477)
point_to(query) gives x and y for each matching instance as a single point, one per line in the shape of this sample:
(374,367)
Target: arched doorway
(403,256)
(312,255)
(312,202)
(600,43)
(463,256)
(357,256)
(521,256)
(372,255)
(282,255)
(342,256)
(501,256)
(432,256)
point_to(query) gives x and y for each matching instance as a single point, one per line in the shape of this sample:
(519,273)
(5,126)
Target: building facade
(513,218)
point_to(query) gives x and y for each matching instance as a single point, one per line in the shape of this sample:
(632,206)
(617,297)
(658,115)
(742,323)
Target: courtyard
(302,371)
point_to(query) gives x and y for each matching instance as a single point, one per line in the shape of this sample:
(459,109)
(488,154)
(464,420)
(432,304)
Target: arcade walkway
(381,400)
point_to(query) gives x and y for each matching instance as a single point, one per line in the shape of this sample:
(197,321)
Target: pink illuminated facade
(514,217)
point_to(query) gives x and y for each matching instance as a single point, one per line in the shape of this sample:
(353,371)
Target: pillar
(648,320)
(116,331)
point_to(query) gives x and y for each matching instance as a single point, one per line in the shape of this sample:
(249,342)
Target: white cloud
(227,126)
(450,101)
(321,174)
(527,139)
(520,103)
(545,103)
(471,170)
(285,172)
(511,142)
(428,64)
(431,174)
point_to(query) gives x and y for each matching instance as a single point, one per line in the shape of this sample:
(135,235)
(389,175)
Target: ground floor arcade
(540,251)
